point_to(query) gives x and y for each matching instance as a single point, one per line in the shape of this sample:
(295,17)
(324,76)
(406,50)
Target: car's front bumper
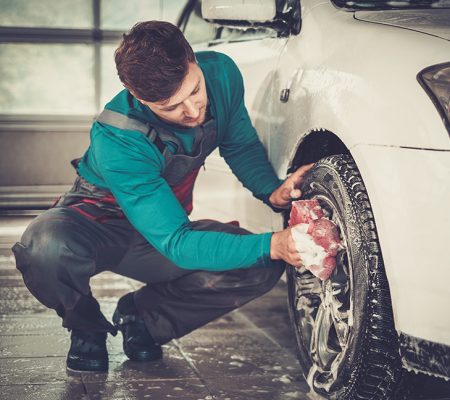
(409,190)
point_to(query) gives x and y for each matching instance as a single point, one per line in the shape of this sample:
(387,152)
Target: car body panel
(414,229)
(340,85)
(433,22)
(358,80)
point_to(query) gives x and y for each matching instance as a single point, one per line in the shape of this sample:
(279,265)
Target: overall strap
(122,121)
(199,133)
(164,134)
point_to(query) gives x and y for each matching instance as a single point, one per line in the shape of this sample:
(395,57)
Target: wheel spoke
(336,300)
(317,326)
(339,300)
(308,284)
(324,354)
(341,331)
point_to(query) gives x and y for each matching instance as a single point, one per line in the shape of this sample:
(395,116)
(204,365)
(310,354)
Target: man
(128,209)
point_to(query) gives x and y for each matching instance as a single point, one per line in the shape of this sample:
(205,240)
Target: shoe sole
(83,366)
(79,371)
(144,356)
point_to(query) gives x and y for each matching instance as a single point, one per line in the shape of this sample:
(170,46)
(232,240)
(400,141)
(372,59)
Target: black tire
(344,328)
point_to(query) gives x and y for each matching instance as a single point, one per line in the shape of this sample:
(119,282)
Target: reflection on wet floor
(247,354)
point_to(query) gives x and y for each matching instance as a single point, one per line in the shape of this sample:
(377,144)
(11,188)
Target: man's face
(187,107)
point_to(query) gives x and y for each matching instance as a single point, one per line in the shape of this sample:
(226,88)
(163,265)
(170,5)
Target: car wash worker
(128,209)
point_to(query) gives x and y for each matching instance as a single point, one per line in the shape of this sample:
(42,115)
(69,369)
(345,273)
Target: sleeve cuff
(266,260)
(265,198)
(266,201)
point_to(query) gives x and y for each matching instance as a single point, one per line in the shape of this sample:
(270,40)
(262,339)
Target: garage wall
(56,73)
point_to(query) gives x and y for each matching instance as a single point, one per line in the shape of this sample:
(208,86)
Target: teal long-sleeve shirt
(129,165)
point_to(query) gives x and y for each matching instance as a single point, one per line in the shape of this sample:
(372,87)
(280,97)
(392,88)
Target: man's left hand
(289,190)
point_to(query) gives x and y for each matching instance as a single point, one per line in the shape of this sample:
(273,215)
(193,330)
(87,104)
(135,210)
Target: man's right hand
(282,247)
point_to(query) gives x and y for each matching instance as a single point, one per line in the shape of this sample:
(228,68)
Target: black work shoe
(87,351)
(138,344)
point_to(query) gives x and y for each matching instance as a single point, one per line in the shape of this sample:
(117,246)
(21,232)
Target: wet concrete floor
(245,355)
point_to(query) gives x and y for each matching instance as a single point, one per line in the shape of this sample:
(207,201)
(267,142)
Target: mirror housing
(245,10)
(255,13)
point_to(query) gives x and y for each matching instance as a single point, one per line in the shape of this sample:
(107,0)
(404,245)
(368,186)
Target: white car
(361,88)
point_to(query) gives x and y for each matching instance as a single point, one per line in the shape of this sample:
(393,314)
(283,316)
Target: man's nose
(191,110)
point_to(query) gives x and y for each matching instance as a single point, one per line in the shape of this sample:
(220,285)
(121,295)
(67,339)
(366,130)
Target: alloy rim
(324,312)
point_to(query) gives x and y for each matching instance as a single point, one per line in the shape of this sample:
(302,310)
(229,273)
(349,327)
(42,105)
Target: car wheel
(344,328)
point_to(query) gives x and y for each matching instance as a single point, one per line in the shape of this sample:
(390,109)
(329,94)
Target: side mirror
(239,10)
(254,13)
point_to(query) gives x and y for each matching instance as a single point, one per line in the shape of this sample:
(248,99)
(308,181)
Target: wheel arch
(314,145)
(319,143)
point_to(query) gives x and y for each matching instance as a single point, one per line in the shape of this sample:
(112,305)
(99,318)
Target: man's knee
(49,239)
(53,261)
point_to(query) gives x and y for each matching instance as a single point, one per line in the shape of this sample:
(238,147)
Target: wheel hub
(325,312)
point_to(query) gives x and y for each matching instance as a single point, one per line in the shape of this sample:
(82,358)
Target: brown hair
(153,59)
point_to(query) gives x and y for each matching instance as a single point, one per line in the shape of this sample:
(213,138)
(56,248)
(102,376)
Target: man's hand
(282,247)
(289,190)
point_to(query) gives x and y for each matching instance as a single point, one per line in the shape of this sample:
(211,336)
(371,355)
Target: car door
(256,52)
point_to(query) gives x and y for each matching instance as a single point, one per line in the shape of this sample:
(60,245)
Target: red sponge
(316,237)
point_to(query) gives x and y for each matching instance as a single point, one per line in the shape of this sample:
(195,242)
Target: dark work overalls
(86,233)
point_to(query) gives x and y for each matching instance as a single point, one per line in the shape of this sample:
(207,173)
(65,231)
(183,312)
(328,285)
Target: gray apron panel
(180,164)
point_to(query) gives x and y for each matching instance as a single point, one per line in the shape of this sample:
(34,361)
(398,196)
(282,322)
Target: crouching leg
(56,258)
(173,309)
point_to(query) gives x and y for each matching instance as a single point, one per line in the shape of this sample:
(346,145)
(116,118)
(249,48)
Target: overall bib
(180,171)
(86,233)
